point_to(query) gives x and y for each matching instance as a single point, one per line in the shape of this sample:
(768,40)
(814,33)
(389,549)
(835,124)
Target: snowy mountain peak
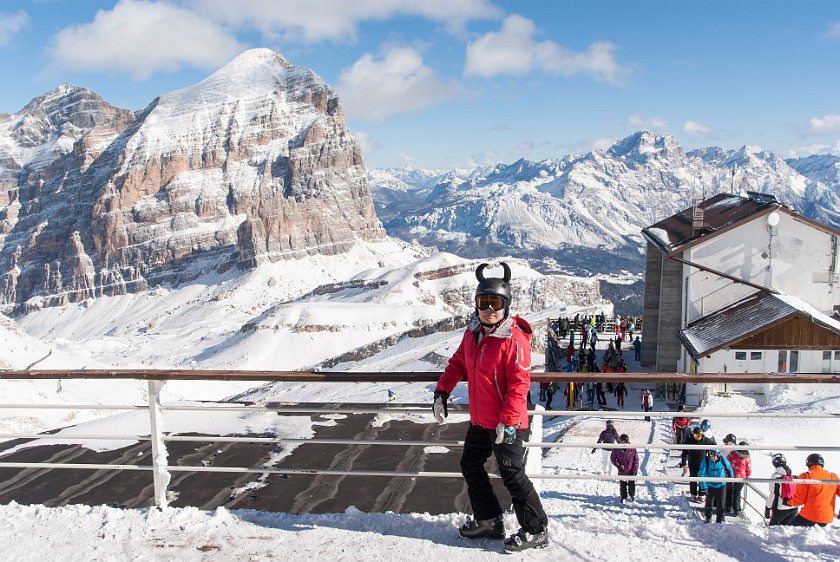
(252,164)
(254,74)
(643,146)
(67,106)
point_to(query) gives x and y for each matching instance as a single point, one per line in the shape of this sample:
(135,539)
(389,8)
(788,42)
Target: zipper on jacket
(496,382)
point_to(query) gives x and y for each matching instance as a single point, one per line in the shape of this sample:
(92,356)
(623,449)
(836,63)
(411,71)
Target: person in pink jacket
(741,468)
(495,357)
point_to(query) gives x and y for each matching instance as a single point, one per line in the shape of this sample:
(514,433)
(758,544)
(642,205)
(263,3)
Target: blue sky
(456,83)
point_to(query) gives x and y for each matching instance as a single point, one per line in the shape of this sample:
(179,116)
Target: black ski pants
(479,444)
(783,516)
(627,487)
(715,497)
(734,492)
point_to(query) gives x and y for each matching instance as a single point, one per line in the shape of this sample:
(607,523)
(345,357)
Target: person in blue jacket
(714,465)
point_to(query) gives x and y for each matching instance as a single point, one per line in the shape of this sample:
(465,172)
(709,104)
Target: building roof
(749,316)
(720,212)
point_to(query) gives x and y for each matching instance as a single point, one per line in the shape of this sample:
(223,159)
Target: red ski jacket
(498,371)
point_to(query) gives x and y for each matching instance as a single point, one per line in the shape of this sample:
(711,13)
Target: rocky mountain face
(254,163)
(583,215)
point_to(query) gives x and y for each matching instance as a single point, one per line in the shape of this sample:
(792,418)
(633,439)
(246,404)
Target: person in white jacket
(775,509)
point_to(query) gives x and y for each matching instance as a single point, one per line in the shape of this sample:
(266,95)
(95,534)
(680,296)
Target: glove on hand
(767,513)
(505,434)
(439,408)
(593,451)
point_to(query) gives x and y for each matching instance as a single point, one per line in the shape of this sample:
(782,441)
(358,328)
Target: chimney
(697,222)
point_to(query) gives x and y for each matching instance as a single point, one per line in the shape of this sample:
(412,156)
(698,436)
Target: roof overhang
(753,315)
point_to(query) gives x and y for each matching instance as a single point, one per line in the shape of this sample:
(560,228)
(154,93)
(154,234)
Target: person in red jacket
(741,463)
(495,357)
(817,500)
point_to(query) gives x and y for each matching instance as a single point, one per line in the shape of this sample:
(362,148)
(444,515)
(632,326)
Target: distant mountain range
(255,164)
(582,215)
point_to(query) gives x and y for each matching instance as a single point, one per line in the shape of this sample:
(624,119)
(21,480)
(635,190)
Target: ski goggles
(484,302)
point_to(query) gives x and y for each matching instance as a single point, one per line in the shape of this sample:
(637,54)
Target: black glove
(593,451)
(767,513)
(439,408)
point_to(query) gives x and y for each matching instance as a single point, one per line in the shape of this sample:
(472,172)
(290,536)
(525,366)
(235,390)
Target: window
(755,356)
(831,361)
(788,361)
(740,356)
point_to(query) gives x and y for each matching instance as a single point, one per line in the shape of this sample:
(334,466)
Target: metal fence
(161,469)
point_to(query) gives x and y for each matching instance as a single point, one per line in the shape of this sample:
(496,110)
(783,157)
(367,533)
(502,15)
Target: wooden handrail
(407,376)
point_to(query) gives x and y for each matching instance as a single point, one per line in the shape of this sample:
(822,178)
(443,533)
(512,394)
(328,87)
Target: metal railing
(161,469)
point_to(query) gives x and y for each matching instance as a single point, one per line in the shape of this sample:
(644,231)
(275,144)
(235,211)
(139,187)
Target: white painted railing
(159,437)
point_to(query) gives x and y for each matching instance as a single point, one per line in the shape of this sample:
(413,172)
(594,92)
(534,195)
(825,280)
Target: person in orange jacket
(817,500)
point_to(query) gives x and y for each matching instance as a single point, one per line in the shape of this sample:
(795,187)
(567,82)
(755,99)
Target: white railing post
(159,454)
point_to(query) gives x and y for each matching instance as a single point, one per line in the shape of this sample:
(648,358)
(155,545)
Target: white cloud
(811,149)
(637,123)
(696,129)
(338,19)
(825,125)
(10,24)
(374,90)
(141,38)
(367,142)
(513,50)
(834,31)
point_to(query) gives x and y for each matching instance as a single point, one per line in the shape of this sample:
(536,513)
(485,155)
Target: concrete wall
(650,325)
(669,349)
(799,261)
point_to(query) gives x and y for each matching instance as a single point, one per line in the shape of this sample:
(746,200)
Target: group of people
(495,357)
(785,497)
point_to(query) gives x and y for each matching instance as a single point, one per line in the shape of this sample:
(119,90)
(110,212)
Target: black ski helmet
(813,459)
(730,439)
(779,460)
(624,438)
(494,285)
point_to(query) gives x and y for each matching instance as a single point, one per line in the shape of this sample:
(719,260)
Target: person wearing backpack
(776,508)
(691,459)
(714,465)
(817,500)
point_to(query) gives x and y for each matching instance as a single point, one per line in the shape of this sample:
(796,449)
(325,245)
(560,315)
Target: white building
(741,284)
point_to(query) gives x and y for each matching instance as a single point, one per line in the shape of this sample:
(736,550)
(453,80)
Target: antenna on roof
(697,213)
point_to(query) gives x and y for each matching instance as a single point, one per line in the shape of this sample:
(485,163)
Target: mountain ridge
(581,215)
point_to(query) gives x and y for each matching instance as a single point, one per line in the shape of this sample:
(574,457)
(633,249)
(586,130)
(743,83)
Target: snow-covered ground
(199,326)
(586,520)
